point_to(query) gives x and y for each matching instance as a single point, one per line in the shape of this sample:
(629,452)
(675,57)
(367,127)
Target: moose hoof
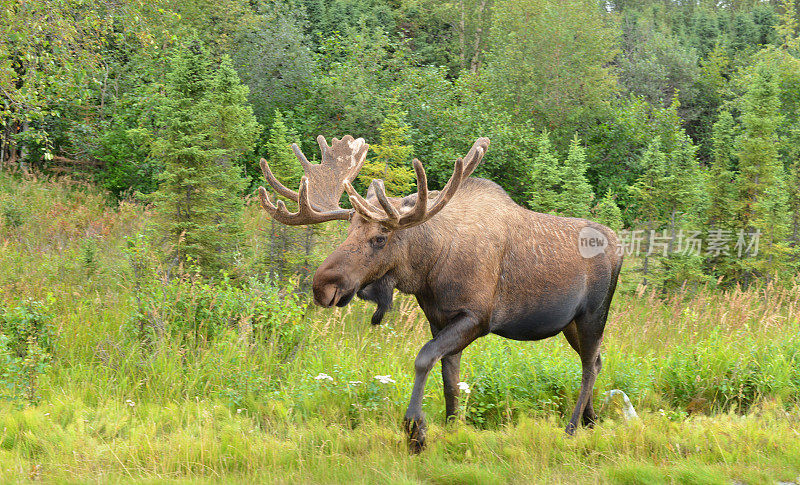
(589,421)
(570,430)
(415,430)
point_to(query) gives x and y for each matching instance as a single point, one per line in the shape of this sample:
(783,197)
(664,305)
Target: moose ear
(408,201)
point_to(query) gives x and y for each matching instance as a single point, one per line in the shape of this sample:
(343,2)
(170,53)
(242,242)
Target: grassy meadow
(113,372)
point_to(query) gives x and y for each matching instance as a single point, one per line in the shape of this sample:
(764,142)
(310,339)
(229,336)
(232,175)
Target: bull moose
(476,262)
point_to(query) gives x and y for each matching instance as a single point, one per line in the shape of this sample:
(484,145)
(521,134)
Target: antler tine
(323,144)
(449,189)
(380,193)
(475,155)
(389,216)
(275,183)
(305,213)
(418,212)
(362,205)
(360,157)
(303,160)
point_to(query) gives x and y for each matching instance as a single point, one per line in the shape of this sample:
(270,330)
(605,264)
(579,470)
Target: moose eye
(378,241)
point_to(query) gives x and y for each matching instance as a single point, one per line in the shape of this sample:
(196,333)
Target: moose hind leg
(590,334)
(571,333)
(448,341)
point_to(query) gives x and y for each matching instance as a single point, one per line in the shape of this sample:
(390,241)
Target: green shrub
(26,337)
(14,214)
(195,310)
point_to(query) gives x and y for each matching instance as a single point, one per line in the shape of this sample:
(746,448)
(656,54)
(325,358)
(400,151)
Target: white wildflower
(239,411)
(464,387)
(130,403)
(354,383)
(323,377)
(385,379)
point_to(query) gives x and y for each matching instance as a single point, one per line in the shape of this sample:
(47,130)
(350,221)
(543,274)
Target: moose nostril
(333,297)
(325,295)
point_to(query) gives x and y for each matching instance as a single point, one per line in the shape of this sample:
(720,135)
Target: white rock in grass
(627,408)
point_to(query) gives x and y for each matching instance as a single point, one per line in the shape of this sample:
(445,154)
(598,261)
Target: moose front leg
(451,365)
(449,341)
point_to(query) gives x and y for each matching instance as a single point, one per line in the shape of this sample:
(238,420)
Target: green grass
(223,388)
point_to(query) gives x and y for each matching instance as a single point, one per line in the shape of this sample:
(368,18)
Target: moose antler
(390,217)
(321,186)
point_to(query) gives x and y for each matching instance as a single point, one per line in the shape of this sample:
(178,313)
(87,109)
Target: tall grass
(154,378)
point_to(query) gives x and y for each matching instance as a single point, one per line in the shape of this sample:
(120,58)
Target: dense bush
(26,339)
(195,311)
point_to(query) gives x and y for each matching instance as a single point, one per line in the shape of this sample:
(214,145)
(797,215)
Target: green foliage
(273,57)
(656,64)
(607,211)
(279,153)
(89,91)
(194,311)
(554,55)
(576,196)
(206,124)
(761,174)
(723,206)
(559,187)
(392,156)
(26,342)
(545,178)
(648,190)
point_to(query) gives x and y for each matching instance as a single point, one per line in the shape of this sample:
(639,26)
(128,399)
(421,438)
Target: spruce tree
(282,160)
(576,197)
(287,169)
(651,187)
(722,176)
(544,178)
(650,193)
(721,187)
(761,173)
(392,161)
(608,212)
(205,125)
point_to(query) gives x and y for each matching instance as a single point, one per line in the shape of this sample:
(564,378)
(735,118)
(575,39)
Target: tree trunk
(271,263)
(475,63)
(462,26)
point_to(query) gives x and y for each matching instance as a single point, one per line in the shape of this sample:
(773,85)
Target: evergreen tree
(205,124)
(650,193)
(545,178)
(721,214)
(685,195)
(649,189)
(288,246)
(392,155)
(282,160)
(608,212)
(761,174)
(722,177)
(576,198)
